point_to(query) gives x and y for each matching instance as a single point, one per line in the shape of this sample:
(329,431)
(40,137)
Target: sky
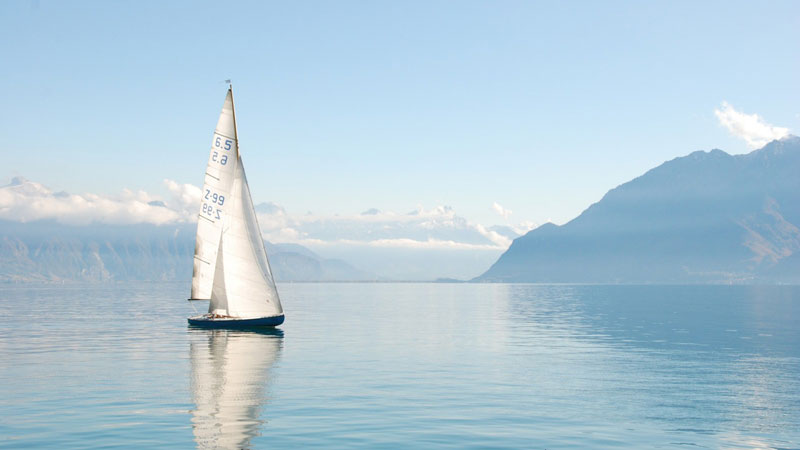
(508,113)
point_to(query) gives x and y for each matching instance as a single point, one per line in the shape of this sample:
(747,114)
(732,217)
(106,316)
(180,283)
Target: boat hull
(207,322)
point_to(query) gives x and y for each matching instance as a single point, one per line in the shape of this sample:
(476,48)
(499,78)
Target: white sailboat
(231,269)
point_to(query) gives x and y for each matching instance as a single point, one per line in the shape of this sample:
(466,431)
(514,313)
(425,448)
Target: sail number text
(219,143)
(224,144)
(214,197)
(212,212)
(215,157)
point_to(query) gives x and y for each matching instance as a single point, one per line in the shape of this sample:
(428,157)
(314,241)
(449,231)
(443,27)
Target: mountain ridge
(704,217)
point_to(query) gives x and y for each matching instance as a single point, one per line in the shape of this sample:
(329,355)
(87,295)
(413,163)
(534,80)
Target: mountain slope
(704,217)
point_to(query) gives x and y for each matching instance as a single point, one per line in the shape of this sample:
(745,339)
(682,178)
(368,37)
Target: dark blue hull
(207,322)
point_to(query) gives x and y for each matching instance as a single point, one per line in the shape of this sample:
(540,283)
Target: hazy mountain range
(704,217)
(52,252)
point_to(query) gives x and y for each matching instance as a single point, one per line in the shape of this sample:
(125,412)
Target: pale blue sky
(343,106)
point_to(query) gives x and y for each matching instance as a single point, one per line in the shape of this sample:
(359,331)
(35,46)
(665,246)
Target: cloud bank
(750,127)
(438,228)
(27,201)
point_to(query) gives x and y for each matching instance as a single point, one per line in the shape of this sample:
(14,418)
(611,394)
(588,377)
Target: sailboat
(231,268)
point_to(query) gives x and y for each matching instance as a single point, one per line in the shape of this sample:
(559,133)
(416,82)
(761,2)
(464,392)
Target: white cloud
(26,201)
(438,228)
(497,239)
(430,244)
(435,228)
(523,227)
(185,198)
(750,127)
(501,211)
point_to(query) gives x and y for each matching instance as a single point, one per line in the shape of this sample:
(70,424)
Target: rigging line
(201,259)
(204,217)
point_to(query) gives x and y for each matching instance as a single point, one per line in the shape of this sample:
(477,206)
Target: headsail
(231,267)
(248,279)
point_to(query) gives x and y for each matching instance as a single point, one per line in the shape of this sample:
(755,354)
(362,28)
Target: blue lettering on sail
(214,197)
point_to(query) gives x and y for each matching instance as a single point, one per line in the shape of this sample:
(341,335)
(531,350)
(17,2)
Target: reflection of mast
(230,371)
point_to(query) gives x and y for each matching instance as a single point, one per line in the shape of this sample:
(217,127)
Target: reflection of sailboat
(231,268)
(230,371)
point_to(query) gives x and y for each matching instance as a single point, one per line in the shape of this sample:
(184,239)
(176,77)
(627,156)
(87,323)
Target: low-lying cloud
(750,127)
(27,201)
(438,228)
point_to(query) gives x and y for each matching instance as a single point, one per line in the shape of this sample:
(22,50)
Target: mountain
(293,262)
(50,252)
(707,217)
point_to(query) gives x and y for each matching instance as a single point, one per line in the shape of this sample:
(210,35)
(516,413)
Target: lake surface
(405,365)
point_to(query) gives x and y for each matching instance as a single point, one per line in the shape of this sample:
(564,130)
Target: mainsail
(230,263)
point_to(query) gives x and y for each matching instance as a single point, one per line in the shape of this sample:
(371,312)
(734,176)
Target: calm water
(405,365)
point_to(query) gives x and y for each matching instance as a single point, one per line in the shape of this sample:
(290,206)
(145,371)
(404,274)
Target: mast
(233,108)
